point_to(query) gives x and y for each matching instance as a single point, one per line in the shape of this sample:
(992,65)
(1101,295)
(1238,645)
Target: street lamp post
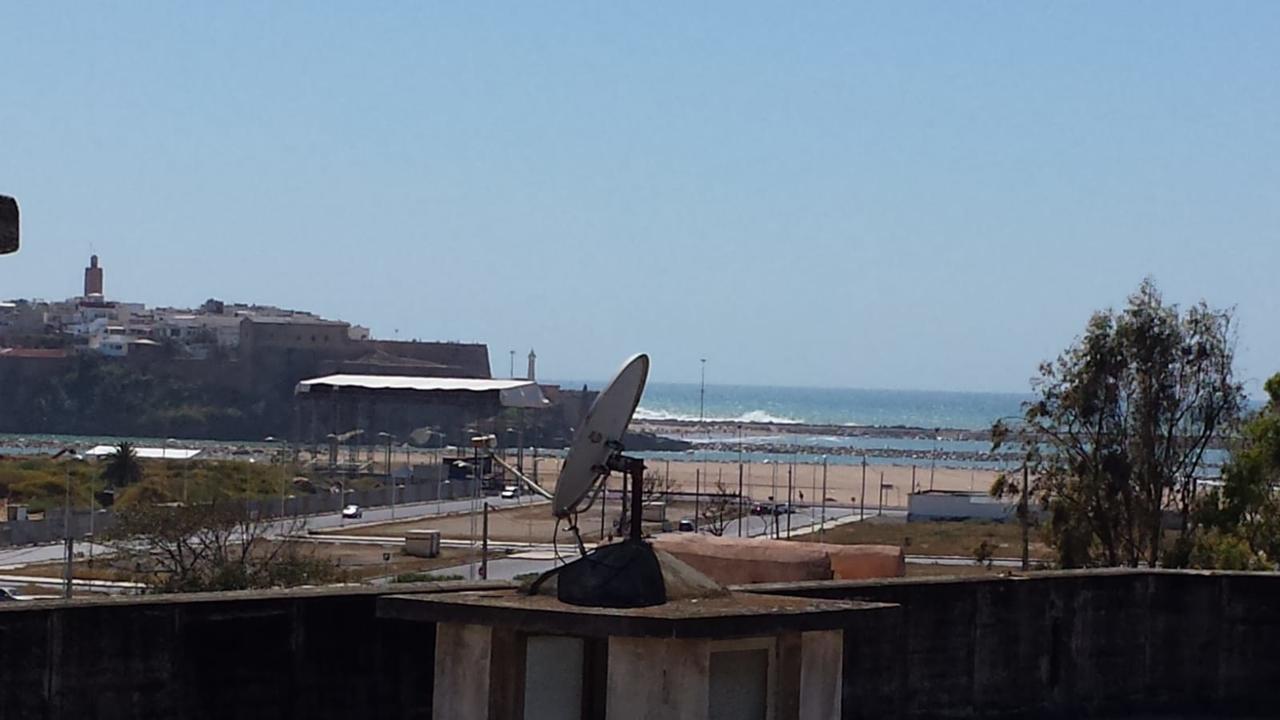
(66,521)
(822,528)
(862,499)
(391,481)
(739,480)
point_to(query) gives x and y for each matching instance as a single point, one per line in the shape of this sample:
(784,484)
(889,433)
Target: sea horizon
(852,407)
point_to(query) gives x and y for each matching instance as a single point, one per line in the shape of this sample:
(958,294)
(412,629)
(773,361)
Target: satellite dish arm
(535,487)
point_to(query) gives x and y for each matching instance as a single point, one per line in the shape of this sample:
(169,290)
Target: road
(12,559)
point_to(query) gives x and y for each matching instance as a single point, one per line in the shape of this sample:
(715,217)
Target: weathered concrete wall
(1063,644)
(286,654)
(1048,645)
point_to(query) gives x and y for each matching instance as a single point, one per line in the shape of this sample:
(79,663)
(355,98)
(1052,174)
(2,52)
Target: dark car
(762,508)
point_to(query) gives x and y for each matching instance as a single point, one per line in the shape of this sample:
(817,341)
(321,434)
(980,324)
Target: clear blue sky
(910,195)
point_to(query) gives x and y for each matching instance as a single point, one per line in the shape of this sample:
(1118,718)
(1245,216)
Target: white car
(509,492)
(352,511)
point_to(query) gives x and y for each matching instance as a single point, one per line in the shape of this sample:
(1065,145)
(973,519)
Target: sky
(899,195)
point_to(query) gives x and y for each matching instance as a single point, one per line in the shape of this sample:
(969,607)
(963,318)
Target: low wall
(1070,644)
(1063,644)
(282,654)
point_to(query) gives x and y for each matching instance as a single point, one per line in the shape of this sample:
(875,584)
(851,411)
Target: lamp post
(739,480)
(164,459)
(862,499)
(822,528)
(66,520)
(284,473)
(390,479)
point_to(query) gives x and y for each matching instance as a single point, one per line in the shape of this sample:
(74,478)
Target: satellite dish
(8,225)
(599,437)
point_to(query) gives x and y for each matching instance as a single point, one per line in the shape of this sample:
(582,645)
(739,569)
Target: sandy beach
(844,482)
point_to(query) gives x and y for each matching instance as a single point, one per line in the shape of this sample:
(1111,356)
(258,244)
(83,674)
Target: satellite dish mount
(623,574)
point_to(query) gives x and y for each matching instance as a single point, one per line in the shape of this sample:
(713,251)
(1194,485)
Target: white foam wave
(753,416)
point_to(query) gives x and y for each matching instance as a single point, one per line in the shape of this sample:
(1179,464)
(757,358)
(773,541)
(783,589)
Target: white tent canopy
(150,453)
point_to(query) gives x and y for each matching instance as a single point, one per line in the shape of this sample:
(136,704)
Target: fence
(53,529)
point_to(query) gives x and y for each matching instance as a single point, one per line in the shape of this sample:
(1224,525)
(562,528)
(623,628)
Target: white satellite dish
(626,573)
(599,437)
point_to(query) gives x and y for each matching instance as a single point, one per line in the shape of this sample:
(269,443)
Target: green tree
(1246,509)
(1116,438)
(122,468)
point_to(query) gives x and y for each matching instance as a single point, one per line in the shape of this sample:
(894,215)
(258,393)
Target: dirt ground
(361,561)
(938,538)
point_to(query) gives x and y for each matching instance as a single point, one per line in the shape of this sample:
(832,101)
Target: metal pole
(1022,513)
(822,529)
(484,548)
(933,460)
(697,494)
(66,532)
(702,394)
(637,501)
(880,511)
(862,499)
(773,502)
(790,472)
(475,491)
(740,514)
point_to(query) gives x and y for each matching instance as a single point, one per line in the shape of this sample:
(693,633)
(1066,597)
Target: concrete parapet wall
(280,654)
(1055,644)
(1062,644)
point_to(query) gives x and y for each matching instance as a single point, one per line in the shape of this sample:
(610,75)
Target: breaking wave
(753,416)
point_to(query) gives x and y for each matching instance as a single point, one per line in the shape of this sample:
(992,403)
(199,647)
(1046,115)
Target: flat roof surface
(512,393)
(734,615)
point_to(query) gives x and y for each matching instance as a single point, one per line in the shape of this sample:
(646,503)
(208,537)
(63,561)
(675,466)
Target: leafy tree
(122,468)
(1245,512)
(1116,438)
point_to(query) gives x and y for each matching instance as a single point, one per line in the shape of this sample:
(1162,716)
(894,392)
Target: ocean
(825,406)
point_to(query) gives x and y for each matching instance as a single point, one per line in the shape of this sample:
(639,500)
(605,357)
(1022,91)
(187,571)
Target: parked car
(783,509)
(762,508)
(509,492)
(352,511)
(687,525)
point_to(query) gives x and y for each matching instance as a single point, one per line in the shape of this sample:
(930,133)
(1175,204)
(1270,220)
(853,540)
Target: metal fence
(53,528)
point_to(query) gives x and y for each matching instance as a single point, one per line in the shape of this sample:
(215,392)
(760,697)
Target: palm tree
(122,467)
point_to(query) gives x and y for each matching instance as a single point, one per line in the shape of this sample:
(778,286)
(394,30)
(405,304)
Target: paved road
(14,557)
